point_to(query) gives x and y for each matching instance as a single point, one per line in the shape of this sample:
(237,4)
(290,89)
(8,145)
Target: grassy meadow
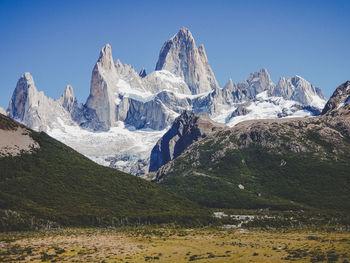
(158,244)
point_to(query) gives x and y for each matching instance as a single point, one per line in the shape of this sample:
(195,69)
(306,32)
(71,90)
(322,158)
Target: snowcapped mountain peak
(284,88)
(24,91)
(68,92)
(261,75)
(184,34)
(103,89)
(118,64)
(297,80)
(260,81)
(339,102)
(124,69)
(68,100)
(127,75)
(106,59)
(229,83)
(300,90)
(185,30)
(125,104)
(33,108)
(180,56)
(28,77)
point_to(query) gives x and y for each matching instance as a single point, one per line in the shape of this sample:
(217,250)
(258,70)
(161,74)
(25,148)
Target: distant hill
(295,163)
(45,183)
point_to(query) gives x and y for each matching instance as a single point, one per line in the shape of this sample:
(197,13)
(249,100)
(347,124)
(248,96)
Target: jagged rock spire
(299,89)
(143,73)
(68,99)
(103,88)
(260,81)
(33,108)
(106,59)
(180,56)
(24,91)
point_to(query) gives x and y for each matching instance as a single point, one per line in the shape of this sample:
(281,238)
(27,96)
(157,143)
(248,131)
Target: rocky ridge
(300,90)
(33,108)
(339,103)
(283,135)
(185,130)
(289,162)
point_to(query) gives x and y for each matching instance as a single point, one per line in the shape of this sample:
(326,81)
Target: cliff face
(298,89)
(68,99)
(103,89)
(339,102)
(180,56)
(186,129)
(33,108)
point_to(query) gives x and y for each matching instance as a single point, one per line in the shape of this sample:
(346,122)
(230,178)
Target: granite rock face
(103,90)
(300,90)
(186,129)
(151,114)
(339,102)
(33,108)
(128,75)
(233,93)
(163,80)
(180,56)
(259,82)
(68,99)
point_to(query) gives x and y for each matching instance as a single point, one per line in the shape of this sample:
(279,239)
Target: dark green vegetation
(7,123)
(57,185)
(315,176)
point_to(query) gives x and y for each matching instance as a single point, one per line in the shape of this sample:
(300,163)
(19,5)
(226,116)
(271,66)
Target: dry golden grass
(149,244)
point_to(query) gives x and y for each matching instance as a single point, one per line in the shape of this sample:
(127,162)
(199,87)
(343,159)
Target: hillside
(52,184)
(282,163)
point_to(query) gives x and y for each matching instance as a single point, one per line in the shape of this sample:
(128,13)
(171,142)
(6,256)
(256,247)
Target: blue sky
(59,41)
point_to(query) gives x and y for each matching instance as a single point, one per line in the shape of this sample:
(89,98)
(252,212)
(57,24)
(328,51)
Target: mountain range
(200,147)
(127,112)
(290,163)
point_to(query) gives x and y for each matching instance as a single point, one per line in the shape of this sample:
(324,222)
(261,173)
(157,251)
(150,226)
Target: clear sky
(58,42)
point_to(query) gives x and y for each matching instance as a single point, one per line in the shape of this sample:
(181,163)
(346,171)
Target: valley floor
(154,244)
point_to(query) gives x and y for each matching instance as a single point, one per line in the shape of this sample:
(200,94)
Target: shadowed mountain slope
(52,184)
(284,163)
